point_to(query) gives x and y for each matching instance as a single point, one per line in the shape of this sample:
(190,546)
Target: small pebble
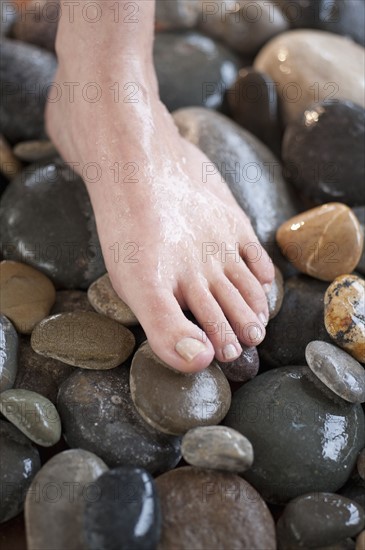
(8,354)
(275,295)
(244,368)
(69,301)
(106,301)
(361,464)
(34,151)
(9,164)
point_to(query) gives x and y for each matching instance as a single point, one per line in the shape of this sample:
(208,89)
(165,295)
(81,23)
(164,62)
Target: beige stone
(106,301)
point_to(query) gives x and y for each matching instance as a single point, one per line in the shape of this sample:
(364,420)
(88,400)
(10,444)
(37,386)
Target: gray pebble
(8,354)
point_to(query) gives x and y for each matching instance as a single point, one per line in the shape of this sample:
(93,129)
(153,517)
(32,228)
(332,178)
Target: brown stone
(37,23)
(106,301)
(9,164)
(26,295)
(244,368)
(323,242)
(35,150)
(68,301)
(360,541)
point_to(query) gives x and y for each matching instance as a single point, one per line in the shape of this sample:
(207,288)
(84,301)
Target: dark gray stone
(244,368)
(180,14)
(8,354)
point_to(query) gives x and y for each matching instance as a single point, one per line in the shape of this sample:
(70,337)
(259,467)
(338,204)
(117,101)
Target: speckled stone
(359,212)
(46,220)
(360,541)
(56,500)
(26,295)
(98,414)
(340,372)
(204,509)
(8,354)
(106,301)
(173,402)
(177,15)
(33,414)
(313,66)
(276,294)
(9,164)
(243,368)
(20,462)
(302,439)
(127,514)
(70,301)
(38,24)
(323,242)
(83,339)
(344,314)
(361,464)
(319,519)
(217,448)
(35,150)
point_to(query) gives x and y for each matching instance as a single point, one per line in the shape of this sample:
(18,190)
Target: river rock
(9,164)
(8,354)
(361,464)
(37,23)
(275,295)
(71,301)
(35,150)
(243,368)
(359,212)
(106,301)
(360,541)
(177,15)
(8,16)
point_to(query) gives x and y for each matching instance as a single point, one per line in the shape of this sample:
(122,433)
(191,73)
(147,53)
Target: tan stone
(106,301)
(35,150)
(9,164)
(360,541)
(323,242)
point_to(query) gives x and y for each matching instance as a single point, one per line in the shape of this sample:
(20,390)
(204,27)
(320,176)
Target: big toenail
(189,348)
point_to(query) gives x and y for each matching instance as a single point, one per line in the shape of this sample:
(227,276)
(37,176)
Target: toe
(258,260)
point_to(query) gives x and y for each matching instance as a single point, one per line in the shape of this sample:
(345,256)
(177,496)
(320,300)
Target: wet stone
(243,368)
(284,411)
(35,150)
(179,401)
(32,414)
(8,354)
(276,294)
(70,301)
(106,301)
(127,514)
(344,314)
(361,464)
(27,295)
(56,500)
(359,212)
(177,15)
(38,24)
(98,414)
(355,490)
(9,164)
(208,509)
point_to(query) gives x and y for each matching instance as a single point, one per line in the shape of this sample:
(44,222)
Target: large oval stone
(8,354)
(106,301)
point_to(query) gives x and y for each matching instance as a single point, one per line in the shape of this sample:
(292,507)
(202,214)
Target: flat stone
(47,221)
(285,416)
(38,23)
(360,541)
(344,314)
(98,414)
(177,15)
(19,463)
(323,242)
(9,164)
(35,150)
(359,212)
(179,401)
(204,509)
(33,414)
(83,339)
(313,66)
(27,295)
(127,513)
(319,519)
(217,448)
(361,464)
(323,152)
(243,368)
(8,354)
(106,301)
(276,294)
(56,500)
(71,301)
(340,372)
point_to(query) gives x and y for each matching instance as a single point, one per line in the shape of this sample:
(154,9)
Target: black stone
(359,212)
(8,353)
(243,368)
(126,514)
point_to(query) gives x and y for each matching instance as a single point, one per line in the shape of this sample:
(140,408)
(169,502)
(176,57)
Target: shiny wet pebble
(243,368)
(8,354)
(35,150)
(106,301)
(275,295)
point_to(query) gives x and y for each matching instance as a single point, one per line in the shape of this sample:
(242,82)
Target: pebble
(243,368)
(27,295)
(275,295)
(24,67)
(83,339)
(361,464)
(46,211)
(323,242)
(38,24)
(20,462)
(360,541)
(7,19)
(302,439)
(127,514)
(344,314)
(106,301)
(35,150)
(179,401)
(204,509)
(192,69)
(56,500)
(71,301)
(217,447)
(9,164)
(340,372)
(98,414)
(177,15)
(33,414)
(313,66)
(8,354)
(319,519)
(286,338)
(359,212)
(323,152)
(355,490)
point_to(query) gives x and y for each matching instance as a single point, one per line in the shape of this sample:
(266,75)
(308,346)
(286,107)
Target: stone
(299,321)
(344,314)
(37,23)
(359,212)
(98,414)
(179,401)
(8,354)
(323,152)
(47,221)
(9,164)
(361,464)
(312,66)
(178,15)
(319,519)
(106,301)
(192,69)
(35,150)
(127,514)
(56,500)
(323,242)
(304,441)
(83,339)
(71,301)
(354,489)
(20,462)
(24,67)
(32,414)
(204,509)
(360,541)
(7,18)
(217,448)
(275,295)
(340,372)
(243,368)
(27,295)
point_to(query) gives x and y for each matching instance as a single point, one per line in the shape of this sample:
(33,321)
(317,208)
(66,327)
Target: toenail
(189,348)
(230,353)
(267,288)
(263,318)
